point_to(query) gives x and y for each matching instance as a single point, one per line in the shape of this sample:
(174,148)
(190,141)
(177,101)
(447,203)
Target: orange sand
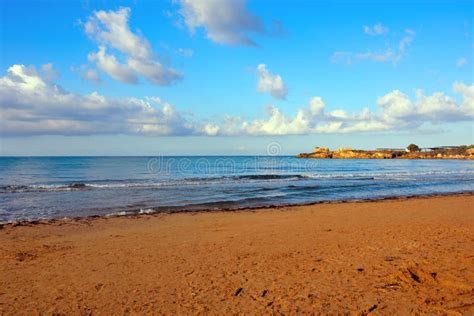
(399,256)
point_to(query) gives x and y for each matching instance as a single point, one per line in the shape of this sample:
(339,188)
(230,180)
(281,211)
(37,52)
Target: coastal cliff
(461,152)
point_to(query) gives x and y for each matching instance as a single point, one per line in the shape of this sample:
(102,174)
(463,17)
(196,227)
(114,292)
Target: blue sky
(326,60)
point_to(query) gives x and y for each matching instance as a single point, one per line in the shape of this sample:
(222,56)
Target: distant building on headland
(443,147)
(424,149)
(391,149)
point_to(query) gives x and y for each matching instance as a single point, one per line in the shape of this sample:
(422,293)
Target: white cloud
(460,62)
(111,30)
(377,29)
(225,21)
(110,65)
(395,106)
(89,74)
(316,106)
(270,83)
(384,55)
(210,129)
(29,105)
(49,73)
(400,109)
(379,56)
(467,93)
(310,120)
(396,112)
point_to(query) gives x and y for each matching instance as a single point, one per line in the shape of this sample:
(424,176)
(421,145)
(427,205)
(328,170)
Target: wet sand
(395,256)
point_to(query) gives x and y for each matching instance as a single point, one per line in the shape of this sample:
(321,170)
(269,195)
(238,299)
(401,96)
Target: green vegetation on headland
(411,152)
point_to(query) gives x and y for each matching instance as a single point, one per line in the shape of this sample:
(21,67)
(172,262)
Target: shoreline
(394,256)
(139,212)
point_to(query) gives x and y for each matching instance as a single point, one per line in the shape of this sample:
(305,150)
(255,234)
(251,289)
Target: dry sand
(398,256)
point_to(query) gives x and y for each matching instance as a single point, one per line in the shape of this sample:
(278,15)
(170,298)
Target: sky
(233,77)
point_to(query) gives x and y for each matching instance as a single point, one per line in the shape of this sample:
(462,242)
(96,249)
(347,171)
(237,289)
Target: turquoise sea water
(57,187)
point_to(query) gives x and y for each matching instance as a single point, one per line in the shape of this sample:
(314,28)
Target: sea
(33,188)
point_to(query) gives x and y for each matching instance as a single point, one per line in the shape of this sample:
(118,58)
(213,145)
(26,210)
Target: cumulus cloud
(270,83)
(111,66)
(111,31)
(396,112)
(312,119)
(30,105)
(393,55)
(49,73)
(89,74)
(377,29)
(225,21)
(467,93)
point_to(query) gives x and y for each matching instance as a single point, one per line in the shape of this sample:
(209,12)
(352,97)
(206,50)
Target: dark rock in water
(13,188)
(77,186)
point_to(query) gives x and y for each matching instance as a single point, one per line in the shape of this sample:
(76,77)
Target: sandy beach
(394,256)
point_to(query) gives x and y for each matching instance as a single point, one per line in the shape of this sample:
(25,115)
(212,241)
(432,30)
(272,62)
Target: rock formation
(461,152)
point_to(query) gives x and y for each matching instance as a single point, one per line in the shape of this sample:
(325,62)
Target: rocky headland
(461,152)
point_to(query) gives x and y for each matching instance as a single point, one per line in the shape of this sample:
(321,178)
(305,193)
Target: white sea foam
(390,175)
(119,213)
(146,211)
